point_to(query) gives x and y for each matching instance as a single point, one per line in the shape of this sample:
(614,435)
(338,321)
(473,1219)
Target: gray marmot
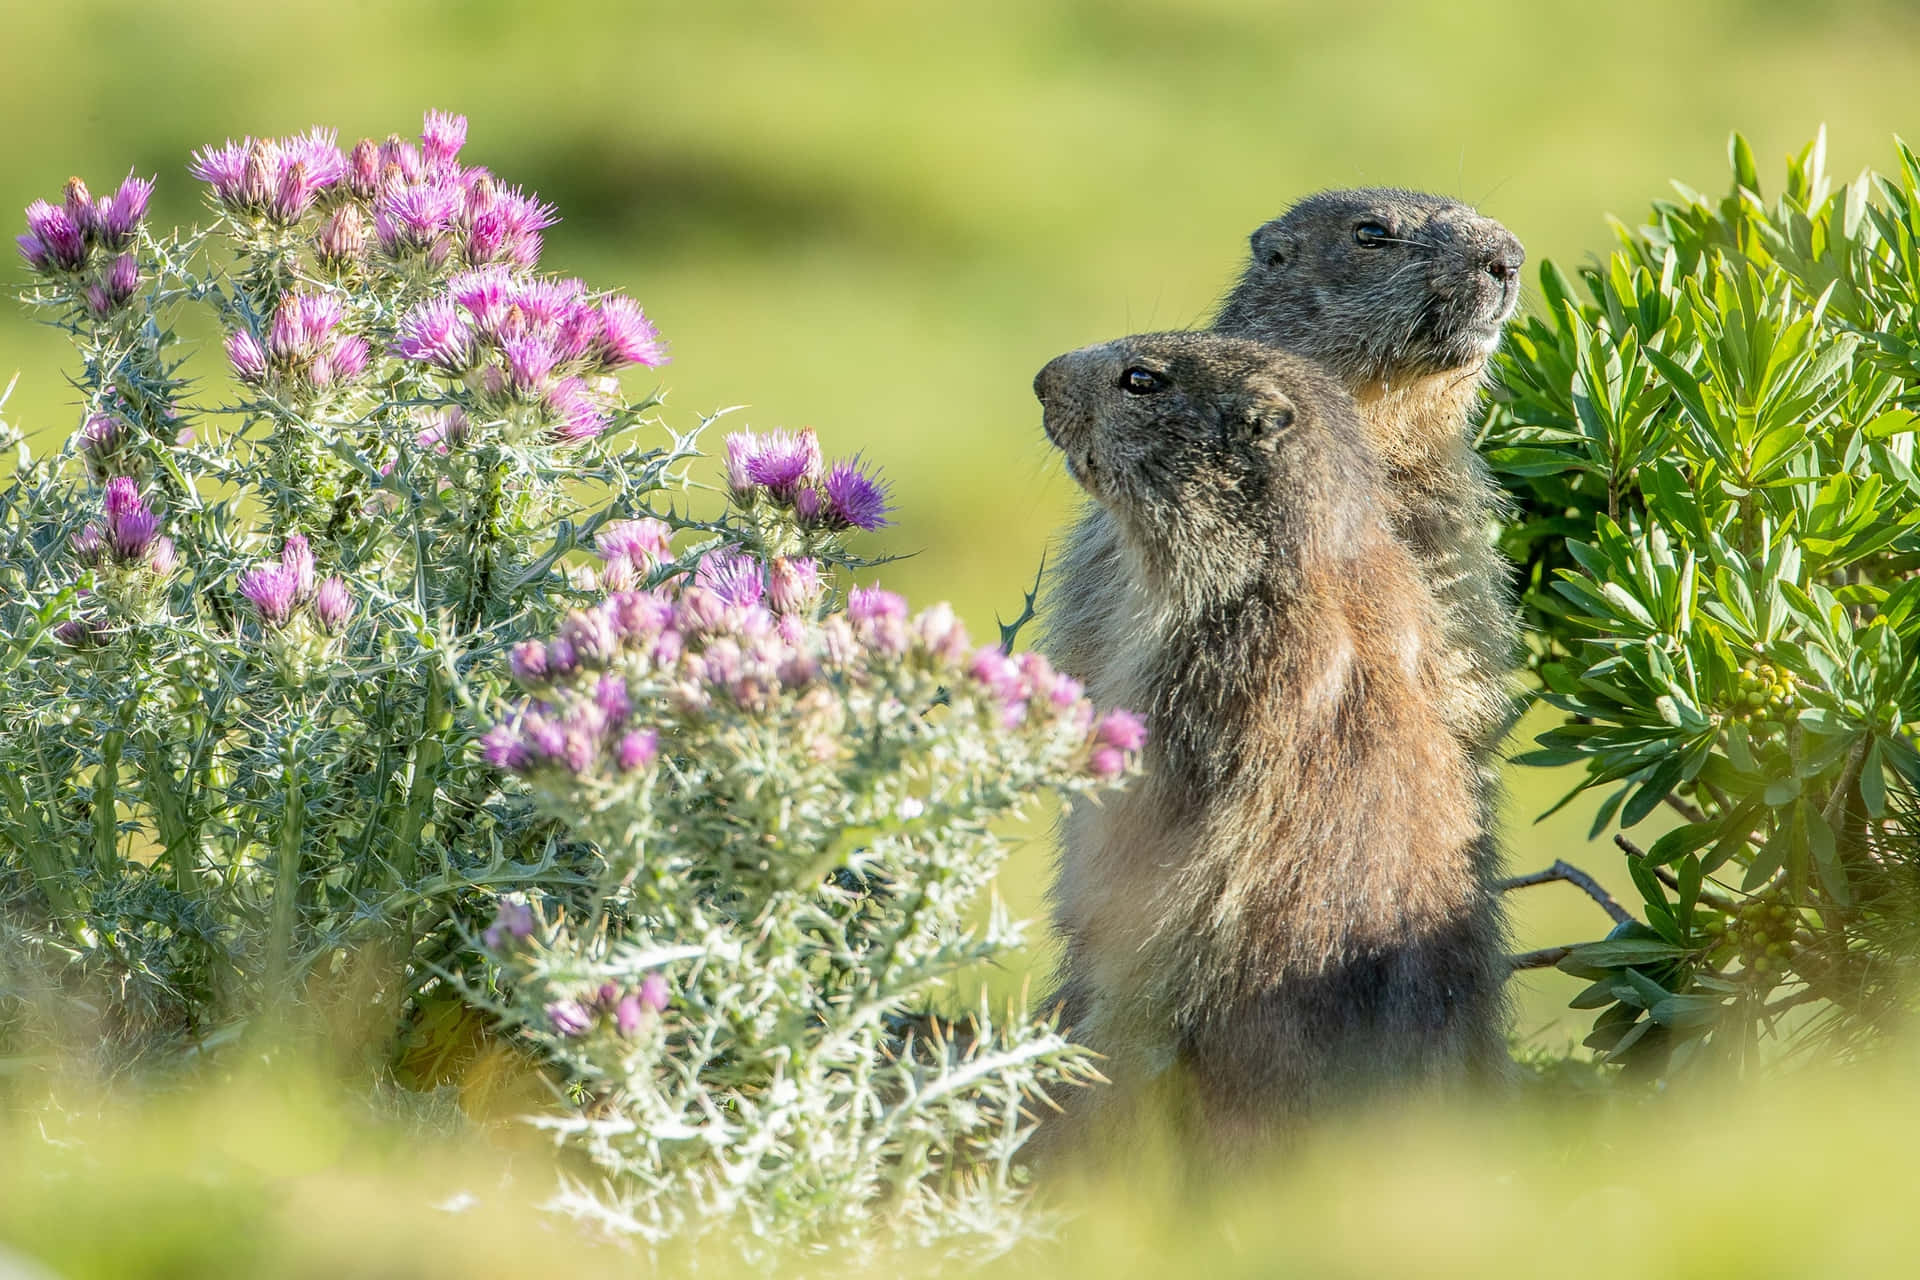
(1285,907)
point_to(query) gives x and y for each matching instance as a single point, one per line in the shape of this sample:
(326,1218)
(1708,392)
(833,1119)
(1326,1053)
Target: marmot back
(1285,906)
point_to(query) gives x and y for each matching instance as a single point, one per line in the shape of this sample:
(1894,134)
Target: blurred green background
(879,218)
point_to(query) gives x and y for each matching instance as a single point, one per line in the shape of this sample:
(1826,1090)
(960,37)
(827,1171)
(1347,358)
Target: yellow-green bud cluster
(1759,935)
(1763,693)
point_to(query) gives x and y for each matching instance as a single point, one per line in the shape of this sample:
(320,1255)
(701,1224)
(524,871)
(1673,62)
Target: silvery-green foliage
(1713,436)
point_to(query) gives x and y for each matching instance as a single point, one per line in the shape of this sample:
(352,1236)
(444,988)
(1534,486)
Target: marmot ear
(1264,415)
(1272,245)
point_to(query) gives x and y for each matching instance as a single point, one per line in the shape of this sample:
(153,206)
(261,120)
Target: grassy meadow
(879,219)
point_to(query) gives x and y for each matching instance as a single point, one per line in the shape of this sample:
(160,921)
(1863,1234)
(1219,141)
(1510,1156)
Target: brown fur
(1286,907)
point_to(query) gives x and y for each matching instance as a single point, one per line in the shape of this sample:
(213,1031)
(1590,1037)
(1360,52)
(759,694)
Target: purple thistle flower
(637,750)
(443,431)
(530,360)
(654,993)
(163,558)
(784,461)
(549,303)
(89,545)
(293,195)
(742,448)
(102,434)
(578,331)
(442,137)
(121,217)
(487,295)
(855,499)
(793,584)
(77,633)
(271,589)
(79,208)
(629,1015)
(875,604)
(1122,730)
(62,243)
(122,496)
(317,152)
(33,251)
(121,279)
(512,922)
(99,305)
(528,662)
(249,359)
(644,542)
(296,557)
(343,362)
(342,238)
(235,172)
(436,333)
(626,336)
(561,658)
(332,605)
(130,535)
(809,507)
(412,218)
(501,747)
(1107,763)
(737,579)
(1000,674)
(591,633)
(610,694)
(363,169)
(302,326)
(570,1018)
(941,634)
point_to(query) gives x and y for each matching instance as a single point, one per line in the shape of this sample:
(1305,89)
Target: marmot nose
(1503,257)
(1047,381)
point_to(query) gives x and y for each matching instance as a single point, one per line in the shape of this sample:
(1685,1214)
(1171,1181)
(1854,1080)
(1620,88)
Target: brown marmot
(1403,296)
(1285,907)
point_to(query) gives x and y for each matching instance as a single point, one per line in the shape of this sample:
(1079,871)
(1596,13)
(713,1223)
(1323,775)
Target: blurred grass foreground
(880,222)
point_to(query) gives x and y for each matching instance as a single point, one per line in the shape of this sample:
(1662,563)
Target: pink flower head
(89,545)
(120,220)
(512,922)
(120,280)
(528,662)
(854,498)
(342,238)
(303,326)
(879,619)
(784,461)
(272,591)
(941,634)
(53,238)
(737,579)
(163,558)
(653,992)
(580,414)
(626,336)
(332,605)
(1122,730)
(794,584)
(441,139)
(248,356)
(131,527)
(1107,763)
(436,333)
(637,749)
(530,359)
(411,218)
(296,557)
(502,748)
(570,1018)
(363,168)
(1000,674)
(643,543)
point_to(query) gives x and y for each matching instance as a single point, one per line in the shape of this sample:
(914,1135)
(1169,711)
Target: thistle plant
(317,648)
(1712,434)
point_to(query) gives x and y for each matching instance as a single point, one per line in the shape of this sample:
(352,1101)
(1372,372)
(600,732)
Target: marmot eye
(1141,382)
(1371,235)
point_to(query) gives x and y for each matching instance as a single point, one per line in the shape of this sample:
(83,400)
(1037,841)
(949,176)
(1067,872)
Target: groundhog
(1286,906)
(1402,295)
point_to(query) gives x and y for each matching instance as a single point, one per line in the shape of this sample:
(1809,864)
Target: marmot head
(1215,454)
(1379,284)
